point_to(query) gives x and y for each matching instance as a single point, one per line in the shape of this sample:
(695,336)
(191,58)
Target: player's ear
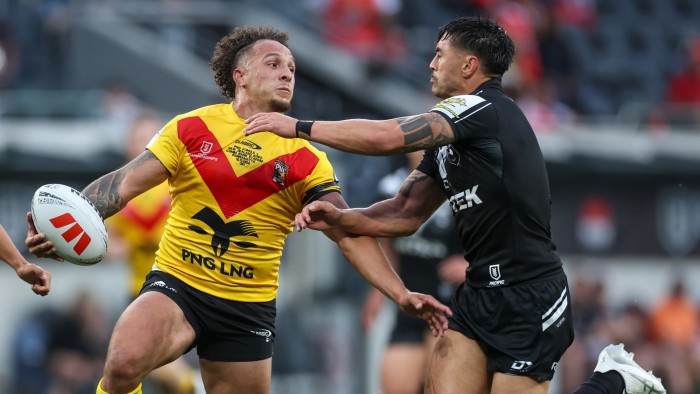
(239,76)
(470,65)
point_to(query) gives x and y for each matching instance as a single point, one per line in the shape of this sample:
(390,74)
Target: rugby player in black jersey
(512,316)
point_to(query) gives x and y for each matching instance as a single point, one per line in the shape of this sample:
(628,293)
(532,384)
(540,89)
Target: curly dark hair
(232,47)
(484,38)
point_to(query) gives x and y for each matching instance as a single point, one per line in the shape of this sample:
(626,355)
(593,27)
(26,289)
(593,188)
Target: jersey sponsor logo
(222,180)
(222,232)
(454,107)
(495,273)
(223,268)
(73,232)
(249,144)
(464,199)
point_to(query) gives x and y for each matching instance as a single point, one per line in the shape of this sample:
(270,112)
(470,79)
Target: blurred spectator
(581,14)
(119,108)
(61,352)
(674,325)
(683,90)
(520,18)
(542,108)
(557,60)
(9,56)
(367,29)
(76,351)
(675,319)
(42,28)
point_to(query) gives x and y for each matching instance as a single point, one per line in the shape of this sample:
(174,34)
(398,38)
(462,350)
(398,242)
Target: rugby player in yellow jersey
(28,272)
(215,279)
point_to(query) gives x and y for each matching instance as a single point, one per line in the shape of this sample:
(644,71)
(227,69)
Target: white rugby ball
(71,223)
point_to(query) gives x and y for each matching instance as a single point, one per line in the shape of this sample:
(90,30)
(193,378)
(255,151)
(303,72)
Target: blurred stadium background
(612,89)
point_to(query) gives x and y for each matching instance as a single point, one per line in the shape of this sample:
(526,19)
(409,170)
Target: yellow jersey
(233,198)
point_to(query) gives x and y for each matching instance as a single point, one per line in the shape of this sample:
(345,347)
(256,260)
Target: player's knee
(124,366)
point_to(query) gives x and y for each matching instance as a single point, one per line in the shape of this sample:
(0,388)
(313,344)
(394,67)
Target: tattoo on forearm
(104,192)
(410,182)
(424,131)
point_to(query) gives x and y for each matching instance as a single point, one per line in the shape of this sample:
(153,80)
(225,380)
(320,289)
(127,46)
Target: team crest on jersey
(280,172)
(206,147)
(495,271)
(222,232)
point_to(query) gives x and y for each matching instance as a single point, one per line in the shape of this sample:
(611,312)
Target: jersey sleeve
(321,181)
(166,146)
(428,164)
(471,116)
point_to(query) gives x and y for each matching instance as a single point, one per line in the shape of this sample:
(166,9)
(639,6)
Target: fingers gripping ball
(71,223)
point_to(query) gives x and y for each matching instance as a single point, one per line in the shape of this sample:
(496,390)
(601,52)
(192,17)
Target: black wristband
(304,127)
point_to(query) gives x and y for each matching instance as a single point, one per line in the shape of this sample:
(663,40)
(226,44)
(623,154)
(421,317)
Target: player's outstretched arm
(28,272)
(369,137)
(368,258)
(402,215)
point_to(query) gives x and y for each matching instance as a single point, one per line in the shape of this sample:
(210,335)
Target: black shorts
(525,328)
(225,330)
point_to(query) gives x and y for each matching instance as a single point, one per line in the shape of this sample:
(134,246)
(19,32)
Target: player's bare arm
(402,215)
(28,272)
(369,137)
(111,192)
(367,257)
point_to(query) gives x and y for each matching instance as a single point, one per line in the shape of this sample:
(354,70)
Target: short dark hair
(484,38)
(232,47)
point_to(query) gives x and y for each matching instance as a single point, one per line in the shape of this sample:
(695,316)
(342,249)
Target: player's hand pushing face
(319,215)
(37,243)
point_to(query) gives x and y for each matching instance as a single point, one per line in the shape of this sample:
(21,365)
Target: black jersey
(496,183)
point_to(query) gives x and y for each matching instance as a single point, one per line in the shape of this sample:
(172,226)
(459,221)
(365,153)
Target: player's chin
(281,104)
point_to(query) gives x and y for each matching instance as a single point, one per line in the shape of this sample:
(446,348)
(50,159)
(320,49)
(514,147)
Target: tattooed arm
(111,192)
(368,137)
(402,215)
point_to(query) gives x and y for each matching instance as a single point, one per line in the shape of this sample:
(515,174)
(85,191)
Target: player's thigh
(512,384)
(236,377)
(152,331)
(403,368)
(457,365)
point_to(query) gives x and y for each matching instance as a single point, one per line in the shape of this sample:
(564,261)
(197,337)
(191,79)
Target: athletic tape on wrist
(303,129)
